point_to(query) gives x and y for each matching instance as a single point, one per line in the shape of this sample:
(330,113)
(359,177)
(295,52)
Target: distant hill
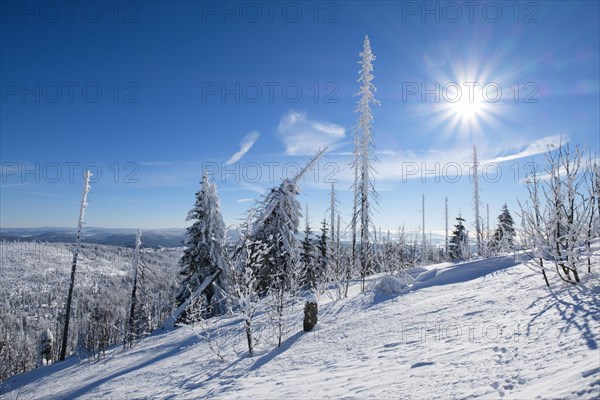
(154,238)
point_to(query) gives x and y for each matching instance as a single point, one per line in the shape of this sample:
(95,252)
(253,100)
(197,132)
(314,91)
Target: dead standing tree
(65,337)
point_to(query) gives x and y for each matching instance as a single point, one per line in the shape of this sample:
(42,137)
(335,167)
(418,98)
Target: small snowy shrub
(390,286)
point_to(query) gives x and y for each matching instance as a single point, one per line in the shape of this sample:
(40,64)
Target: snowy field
(485,329)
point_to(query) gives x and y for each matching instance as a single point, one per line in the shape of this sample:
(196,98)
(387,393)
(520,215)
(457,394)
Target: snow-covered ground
(486,329)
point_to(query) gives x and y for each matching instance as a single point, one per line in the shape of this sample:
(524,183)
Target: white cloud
(252,187)
(433,163)
(539,146)
(301,135)
(424,165)
(245,144)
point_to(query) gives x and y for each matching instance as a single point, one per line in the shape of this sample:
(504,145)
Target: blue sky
(148,94)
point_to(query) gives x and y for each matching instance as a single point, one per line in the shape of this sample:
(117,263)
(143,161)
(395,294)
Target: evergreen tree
(204,255)
(281,217)
(308,254)
(323,250)
(131,326)
(276,225)
(458,241)
(504,236)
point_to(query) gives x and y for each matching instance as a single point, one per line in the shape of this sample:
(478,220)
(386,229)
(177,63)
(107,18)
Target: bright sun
(466,109)
(462,112)
(469,102)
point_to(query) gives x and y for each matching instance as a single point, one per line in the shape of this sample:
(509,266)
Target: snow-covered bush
(559,215)
(389,285)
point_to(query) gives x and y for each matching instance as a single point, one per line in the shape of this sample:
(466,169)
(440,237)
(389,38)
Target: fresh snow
(484,329)
(312,298)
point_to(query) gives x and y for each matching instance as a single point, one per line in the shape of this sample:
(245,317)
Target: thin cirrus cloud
(539,146)
(245,145)
(410,164)
(301,135)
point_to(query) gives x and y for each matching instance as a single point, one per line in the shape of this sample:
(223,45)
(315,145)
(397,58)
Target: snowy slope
(487,329)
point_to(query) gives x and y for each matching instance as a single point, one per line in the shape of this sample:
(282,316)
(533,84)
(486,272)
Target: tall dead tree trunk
(65,337)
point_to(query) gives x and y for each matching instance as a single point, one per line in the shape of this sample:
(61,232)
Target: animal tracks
(504,385)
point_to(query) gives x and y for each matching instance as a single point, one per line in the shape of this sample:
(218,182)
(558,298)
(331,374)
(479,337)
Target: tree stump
(310,314)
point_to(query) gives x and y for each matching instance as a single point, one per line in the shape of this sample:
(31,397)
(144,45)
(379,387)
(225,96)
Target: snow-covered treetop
(367,88)
(207,209)
(282,200)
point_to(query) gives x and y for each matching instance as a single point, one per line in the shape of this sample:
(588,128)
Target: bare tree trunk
(544,272)
(65,337)
(476,199)
(446,220)
(332,214)
(249,336)
(424,244)
(590,230)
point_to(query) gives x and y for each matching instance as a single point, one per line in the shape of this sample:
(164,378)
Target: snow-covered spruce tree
(278,230)
(308,254)
(363,160)
(131,331)
(324,256)
(65,337)
(504,236)
(276,223)
(458,241)
(204,255)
